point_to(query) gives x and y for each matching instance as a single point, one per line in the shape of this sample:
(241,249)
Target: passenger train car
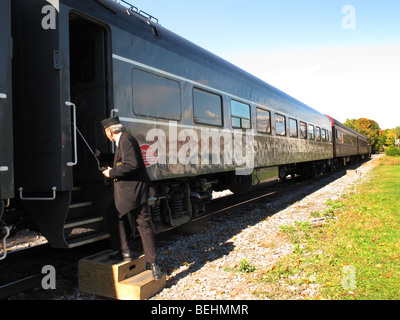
(202,123)
(348,145)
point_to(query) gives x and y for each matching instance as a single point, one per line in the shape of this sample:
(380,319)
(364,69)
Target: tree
(368,128)
(390,138)
(383,137)
(391,135)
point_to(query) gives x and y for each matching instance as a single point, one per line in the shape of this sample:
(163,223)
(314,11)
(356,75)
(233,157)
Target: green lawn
(356,256)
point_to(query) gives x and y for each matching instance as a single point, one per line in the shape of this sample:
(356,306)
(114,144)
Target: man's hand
(107,172)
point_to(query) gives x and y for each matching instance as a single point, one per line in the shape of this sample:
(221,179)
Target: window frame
(284,124)
(311,135)
(258,121)
(317,133)
(170,81)
(204,121)
(291,120)
(239,117)
(305,135)
(324,135)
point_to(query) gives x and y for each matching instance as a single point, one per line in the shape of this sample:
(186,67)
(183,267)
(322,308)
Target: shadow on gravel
(193,245)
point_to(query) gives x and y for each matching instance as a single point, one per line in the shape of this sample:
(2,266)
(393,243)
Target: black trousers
(118,225)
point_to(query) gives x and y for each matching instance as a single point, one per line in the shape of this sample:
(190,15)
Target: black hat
(110,122)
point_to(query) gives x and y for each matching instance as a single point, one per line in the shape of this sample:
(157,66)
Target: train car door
(89,92)
(59,71)
(6,127)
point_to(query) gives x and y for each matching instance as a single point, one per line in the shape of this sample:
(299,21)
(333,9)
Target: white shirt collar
(118,138)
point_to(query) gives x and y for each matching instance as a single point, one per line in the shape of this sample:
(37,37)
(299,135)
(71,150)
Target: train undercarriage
(78,215)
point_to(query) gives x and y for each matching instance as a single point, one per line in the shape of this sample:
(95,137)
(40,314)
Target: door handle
(70,104)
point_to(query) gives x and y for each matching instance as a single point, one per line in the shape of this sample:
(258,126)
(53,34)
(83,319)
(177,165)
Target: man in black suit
(131,193)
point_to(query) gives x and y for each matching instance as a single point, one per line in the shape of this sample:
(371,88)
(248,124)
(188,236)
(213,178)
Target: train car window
(293,132)
(155,96)
(311,133)
(339,136)
(207,107)
(348,139)
(303,130)
(240,115)
(280,125)
(318,133)
(323,135)
(235,122)
(246,124)
(263,121)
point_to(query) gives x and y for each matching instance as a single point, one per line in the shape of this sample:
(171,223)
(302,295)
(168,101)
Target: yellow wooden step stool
(99,275)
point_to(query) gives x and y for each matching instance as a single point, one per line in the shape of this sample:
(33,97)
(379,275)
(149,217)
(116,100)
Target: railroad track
(232,202)
(23,270)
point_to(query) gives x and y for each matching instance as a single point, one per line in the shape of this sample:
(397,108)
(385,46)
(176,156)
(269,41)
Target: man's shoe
(121,256)
(155,270)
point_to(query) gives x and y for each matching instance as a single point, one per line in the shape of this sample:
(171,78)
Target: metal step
(84,223)
(80,231)
(80,209)
(81,222)
(76,242)
(80,204)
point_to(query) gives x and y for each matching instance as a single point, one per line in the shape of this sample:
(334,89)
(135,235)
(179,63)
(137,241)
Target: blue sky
(303,48)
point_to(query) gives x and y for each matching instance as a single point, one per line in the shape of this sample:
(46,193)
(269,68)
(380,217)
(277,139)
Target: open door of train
(89,92)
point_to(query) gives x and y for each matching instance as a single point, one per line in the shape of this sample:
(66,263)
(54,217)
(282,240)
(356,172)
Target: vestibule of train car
(89,92)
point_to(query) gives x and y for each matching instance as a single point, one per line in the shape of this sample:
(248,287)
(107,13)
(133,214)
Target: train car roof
(133,21)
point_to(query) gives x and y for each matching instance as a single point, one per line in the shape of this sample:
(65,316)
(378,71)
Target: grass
(355,256)
(244,267)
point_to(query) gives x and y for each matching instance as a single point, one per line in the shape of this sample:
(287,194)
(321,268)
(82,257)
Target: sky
(341,58)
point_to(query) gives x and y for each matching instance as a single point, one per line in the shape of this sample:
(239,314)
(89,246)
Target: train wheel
(283,172)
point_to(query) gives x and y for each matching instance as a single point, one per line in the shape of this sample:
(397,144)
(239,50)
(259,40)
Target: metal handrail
(134,9)
(54,189)
(113,112)
(131,7)
(149,17)
(4,169)
(70,104)
(7,231)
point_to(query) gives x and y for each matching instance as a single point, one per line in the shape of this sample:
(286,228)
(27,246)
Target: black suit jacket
(132,184)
